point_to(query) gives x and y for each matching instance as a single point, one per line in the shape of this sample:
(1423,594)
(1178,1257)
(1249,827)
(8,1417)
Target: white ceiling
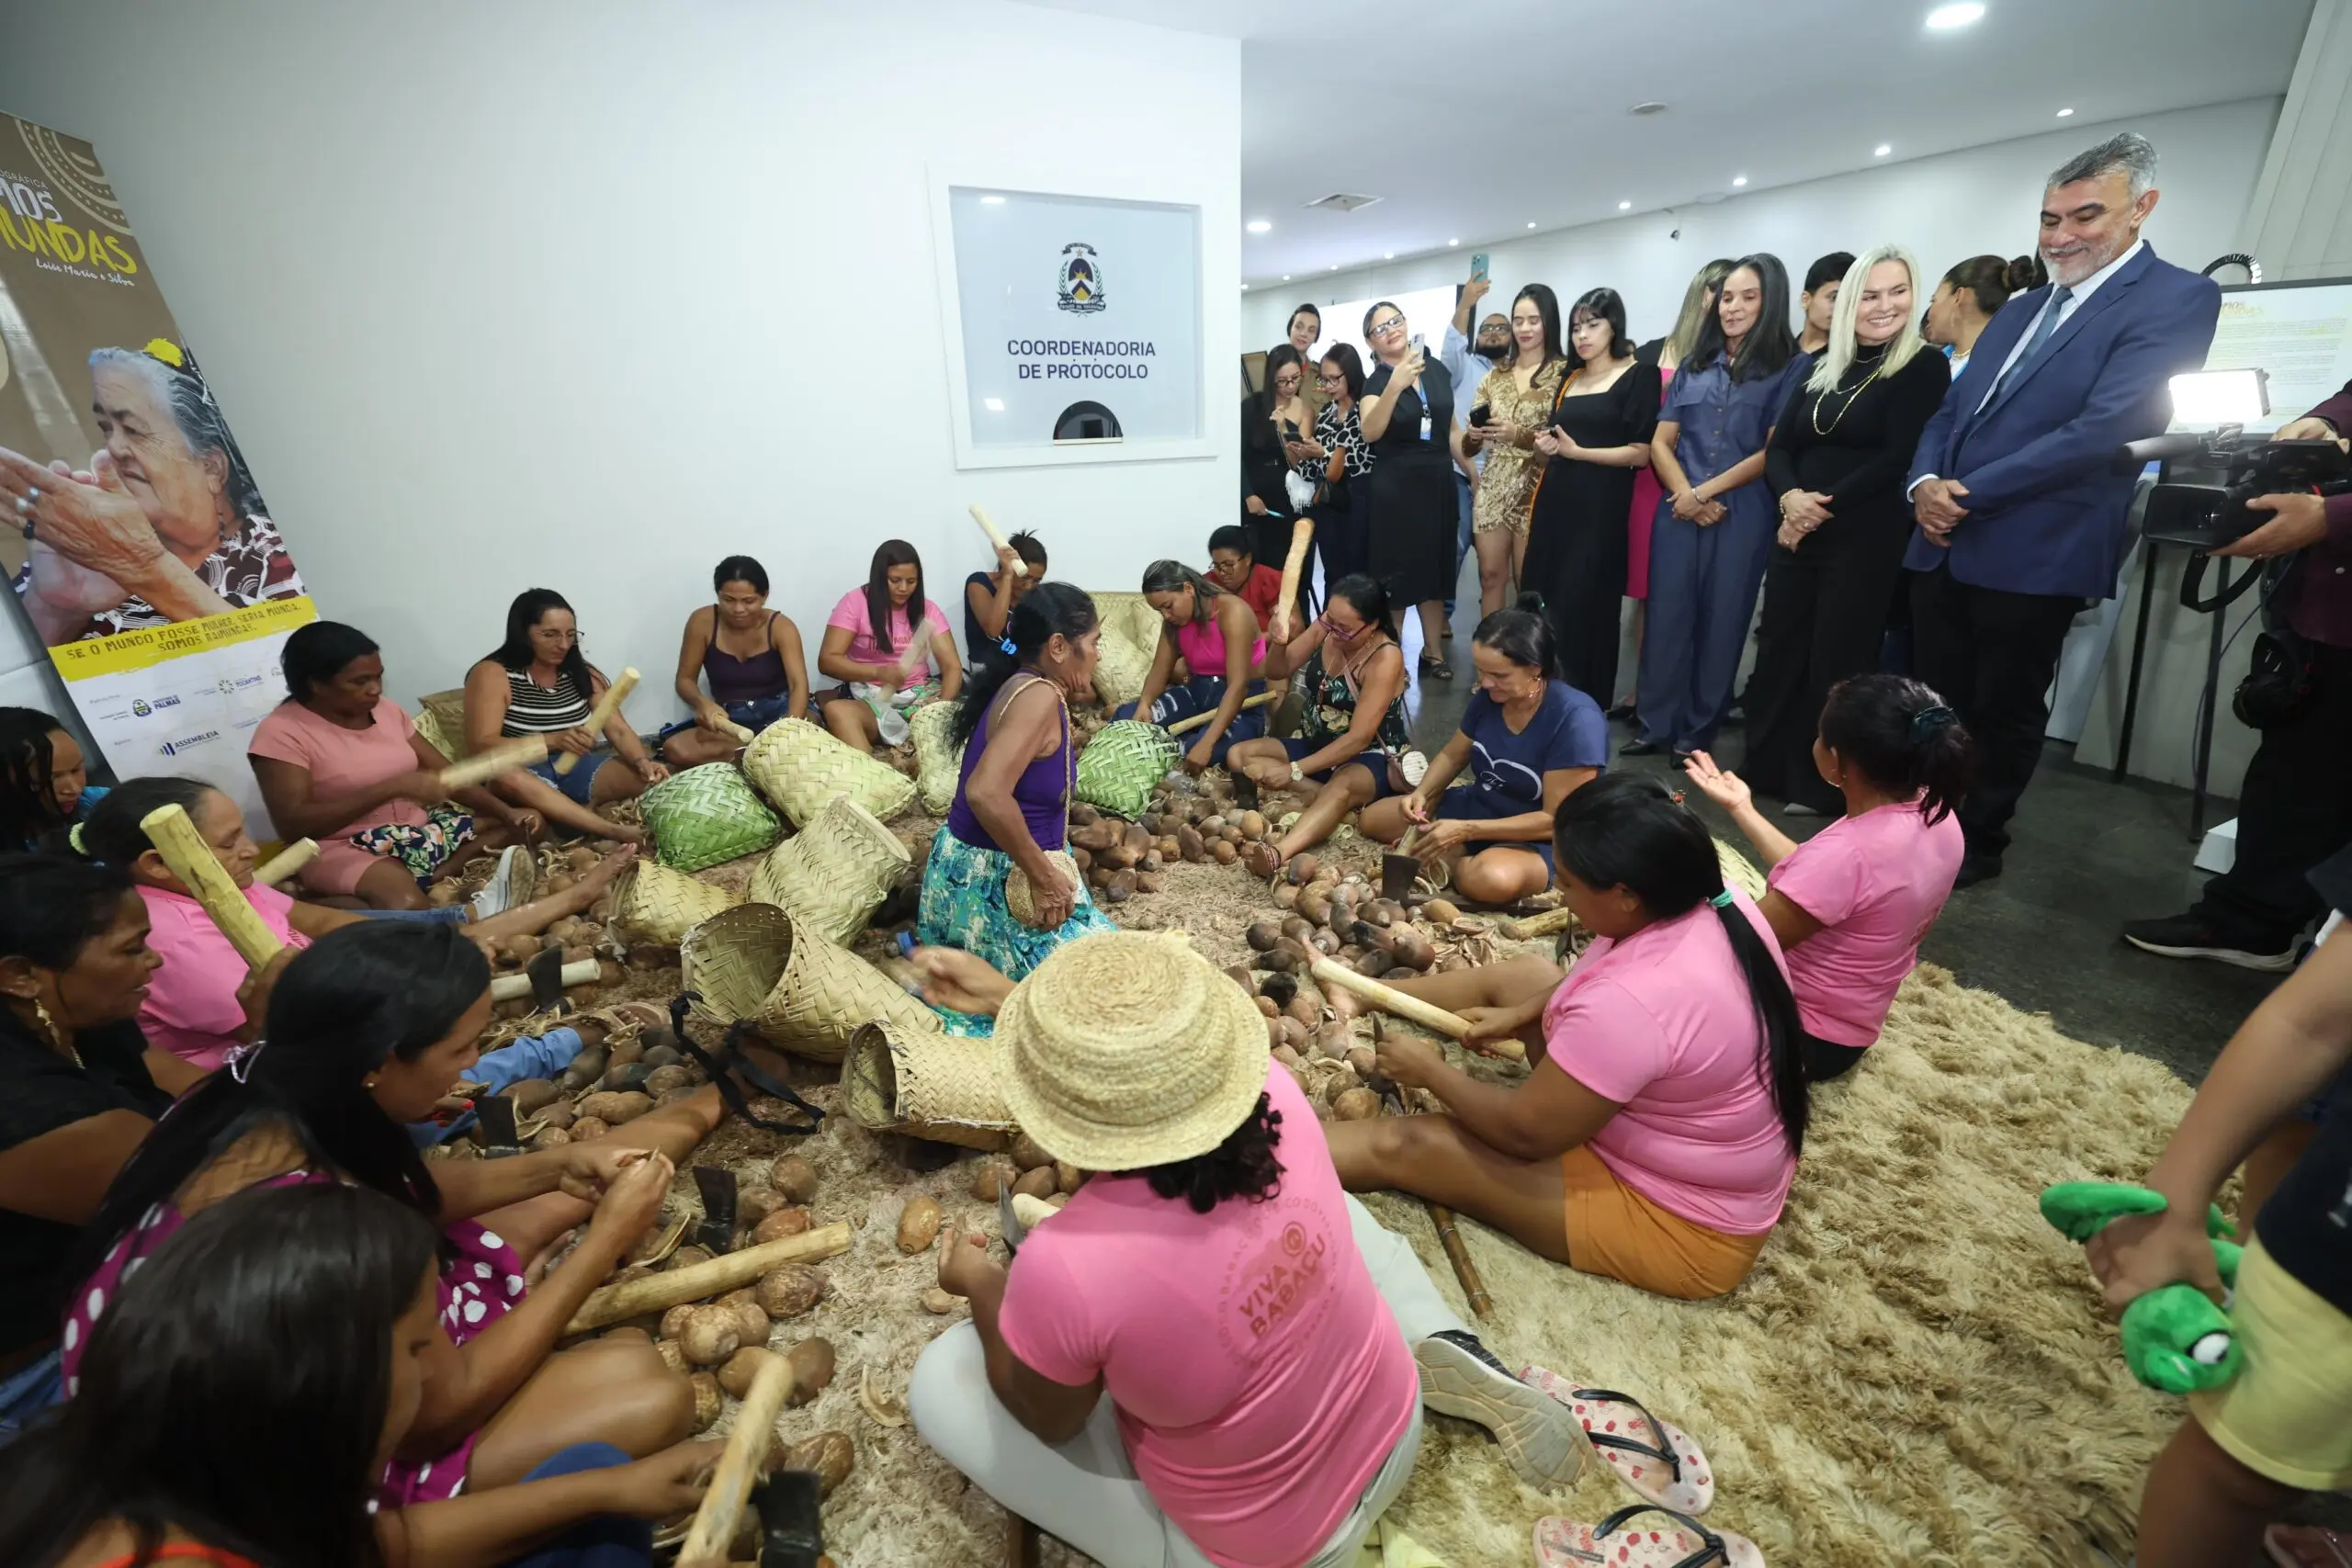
(1481,119)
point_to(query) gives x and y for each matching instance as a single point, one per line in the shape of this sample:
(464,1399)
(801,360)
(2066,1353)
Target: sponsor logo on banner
(187,742)
(1081,283)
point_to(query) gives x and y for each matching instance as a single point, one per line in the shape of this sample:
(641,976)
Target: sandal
(1435,668)
(1667,1470)
(2279,1543)
(729,1063)
(1687,1543)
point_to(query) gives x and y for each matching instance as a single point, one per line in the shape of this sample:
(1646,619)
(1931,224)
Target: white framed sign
(1073,324)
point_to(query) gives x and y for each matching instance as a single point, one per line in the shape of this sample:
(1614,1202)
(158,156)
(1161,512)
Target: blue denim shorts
(575,786)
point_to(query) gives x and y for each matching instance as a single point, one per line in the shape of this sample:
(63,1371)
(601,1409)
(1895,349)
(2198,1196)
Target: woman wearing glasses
(1271,422)
(1337,458)
(1408,417)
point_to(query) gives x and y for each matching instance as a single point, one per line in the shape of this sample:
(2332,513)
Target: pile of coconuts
(581,937)
(605,1085)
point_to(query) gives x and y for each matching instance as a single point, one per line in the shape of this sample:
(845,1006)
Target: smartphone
(1478,267)
(1478,414)
(1290,430)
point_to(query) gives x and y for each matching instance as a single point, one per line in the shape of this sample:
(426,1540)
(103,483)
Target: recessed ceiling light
(1943,18)
(1880,150)
(1531,225)
(1335,270)
(1453,241)
(1648,106)
(1739,179)
(991,201)
(2063,113)
(1245,289)
(1259,226)
(1624,206)
(1388,255)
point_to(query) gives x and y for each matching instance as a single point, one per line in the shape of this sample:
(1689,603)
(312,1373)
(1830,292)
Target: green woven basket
(1119,766)
(707,815)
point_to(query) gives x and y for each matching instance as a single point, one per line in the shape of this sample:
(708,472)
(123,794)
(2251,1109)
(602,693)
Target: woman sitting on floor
(1011,806)
(194,1010)
(1263,1344)
(750,654)
(341,763)
(890,648)
(1215,636)
(535,683)
(1850,905)
(367,1032)
(81,1087)
(989,597)
(1530,741)
(243,1394)
(1657,1138)
(1353,734)
(45,789)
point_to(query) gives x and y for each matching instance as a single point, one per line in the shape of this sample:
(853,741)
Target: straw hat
(1125,1050)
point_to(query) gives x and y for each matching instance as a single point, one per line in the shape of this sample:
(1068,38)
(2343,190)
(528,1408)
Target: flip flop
(2276,1540)
(1656,1459)
(1684,1543)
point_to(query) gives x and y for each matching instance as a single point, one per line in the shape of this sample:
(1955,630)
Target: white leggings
(1085,1491)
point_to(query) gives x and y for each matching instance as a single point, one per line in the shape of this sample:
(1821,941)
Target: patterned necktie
(2035,344)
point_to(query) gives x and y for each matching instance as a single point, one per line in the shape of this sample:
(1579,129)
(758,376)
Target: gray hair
(2131,152)
(181,389)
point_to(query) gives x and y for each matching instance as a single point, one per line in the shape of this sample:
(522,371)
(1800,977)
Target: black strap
(2192,579)
(1664,1452)
(727,1061)
(1711,1545)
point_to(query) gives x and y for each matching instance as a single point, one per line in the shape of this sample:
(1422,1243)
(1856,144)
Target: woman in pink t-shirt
(1656,1139)
(1851,905)
(1264,1345)
(890,648)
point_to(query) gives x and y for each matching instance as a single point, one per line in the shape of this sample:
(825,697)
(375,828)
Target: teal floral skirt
(963,906)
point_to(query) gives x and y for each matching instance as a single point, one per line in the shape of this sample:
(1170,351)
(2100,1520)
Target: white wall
(589,295)
(1944,209)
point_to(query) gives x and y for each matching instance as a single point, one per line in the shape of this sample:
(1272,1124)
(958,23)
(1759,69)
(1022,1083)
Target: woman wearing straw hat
(1264,1344)
(1011,818)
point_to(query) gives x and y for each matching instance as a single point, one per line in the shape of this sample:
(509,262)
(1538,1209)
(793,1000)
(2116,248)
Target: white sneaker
(511,886)
(1540,1438)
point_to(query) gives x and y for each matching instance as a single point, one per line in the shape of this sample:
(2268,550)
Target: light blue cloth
(28,1391)
(443,915)
(533,1057)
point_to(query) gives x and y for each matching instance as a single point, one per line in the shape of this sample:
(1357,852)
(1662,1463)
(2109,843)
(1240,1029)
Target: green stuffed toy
(2175,1339)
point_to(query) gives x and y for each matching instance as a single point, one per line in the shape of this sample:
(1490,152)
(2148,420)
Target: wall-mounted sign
(1074,326)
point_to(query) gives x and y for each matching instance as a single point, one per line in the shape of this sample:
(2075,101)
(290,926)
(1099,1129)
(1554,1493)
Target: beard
(1497,352)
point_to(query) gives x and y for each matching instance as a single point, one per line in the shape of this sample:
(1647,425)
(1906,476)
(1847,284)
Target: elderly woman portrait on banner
(165,526)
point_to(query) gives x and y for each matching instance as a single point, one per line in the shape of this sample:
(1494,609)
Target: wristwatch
(1297,773)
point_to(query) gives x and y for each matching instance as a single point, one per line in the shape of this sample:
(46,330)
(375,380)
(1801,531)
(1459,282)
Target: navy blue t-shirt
(2306,1225)
(1569,731)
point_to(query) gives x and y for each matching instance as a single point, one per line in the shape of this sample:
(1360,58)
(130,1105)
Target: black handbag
(2279,684)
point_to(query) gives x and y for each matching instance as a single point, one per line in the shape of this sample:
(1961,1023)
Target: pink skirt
(1646,493)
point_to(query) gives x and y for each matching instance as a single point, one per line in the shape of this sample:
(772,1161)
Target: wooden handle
(739,1466)
(1550,922)
(1198,719)
(1388,999)
(601,715)
(699,1281)
(1473,1288)
(1302,535)
(742,733)
(201,873)
(286,862)
(996,536)
(492,761)
(506,987)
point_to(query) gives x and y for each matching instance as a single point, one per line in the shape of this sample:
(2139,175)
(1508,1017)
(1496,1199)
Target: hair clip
(239,1059)
(1926,721)
(1721,900)
(1006,644)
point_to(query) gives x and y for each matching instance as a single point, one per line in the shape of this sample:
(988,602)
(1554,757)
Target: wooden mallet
(700,1282)
(1388,999)
(601,715)
(1465,1272)
(286,862)
(507,987)
(721,1513)
(996,538)
(492,761)
(1302,536)
(1185,726)
(201,872)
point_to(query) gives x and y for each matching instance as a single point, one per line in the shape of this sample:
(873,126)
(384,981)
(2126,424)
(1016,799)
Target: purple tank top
(1042,791)
(734,680)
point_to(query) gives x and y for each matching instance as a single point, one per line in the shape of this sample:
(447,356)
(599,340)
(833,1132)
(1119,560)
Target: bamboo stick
(1427,1015)
(1198,719)
(492,761)
(506,987)
(602,714)
(286,862)
(1302,536)
(699,1281)
(201,872)
(739,1465)
(996,538)
(1482,1305)
(1550,922)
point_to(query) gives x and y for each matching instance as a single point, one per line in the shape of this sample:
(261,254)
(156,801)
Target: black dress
(1264,465)
(1825,602)
(1412,512)
(1577,529)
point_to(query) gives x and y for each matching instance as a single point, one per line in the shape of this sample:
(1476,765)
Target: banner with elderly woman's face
(131,528)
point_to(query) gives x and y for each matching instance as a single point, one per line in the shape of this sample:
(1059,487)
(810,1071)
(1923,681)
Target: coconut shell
(673,1356)
(784,1222)
(629,1050)
(1355,1105)
(1440,912)
(918,1224)
(1037,1183)
(1364,1060)
(615,1109)
(790,1291)
(663,1056)
(625,1076)
(1224,853)
(1279,988)
(1303,868)
(1315,905)
(1065,1176)
(531,1095)
(686,1258)
(793,1176)
(750,1315)
(828,1456)
(1276,1038)
(735,1374)
(673,1322)
(1412,949)
(1253,825)
(709,1401)
(1374,965)
(1262,935)
(587,1127)
(712,1334)
(988,1182)
(941,1303)
(753,1204)
(1028,1154)
(661,1081)
(1285,896)
(1119,887)
(812,1369)
(1303,1008)
(549,1138)
(1189,844)
(520,949)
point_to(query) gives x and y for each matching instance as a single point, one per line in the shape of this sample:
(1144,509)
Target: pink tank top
(1203,645)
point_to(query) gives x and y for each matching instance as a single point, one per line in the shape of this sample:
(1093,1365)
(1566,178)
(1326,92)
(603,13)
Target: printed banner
(133,533)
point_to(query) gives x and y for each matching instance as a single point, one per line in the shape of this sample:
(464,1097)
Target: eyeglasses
(1338,380)
(1393,324)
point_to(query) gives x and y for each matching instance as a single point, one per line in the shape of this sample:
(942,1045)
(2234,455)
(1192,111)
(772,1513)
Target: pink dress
(1646,493)
(482,1279)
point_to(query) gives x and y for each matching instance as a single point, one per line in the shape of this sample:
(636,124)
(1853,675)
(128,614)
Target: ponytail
(1172,575)
(1044,610)
(1626,830)
(1899,735)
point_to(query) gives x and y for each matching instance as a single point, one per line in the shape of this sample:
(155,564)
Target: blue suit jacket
(2045,505)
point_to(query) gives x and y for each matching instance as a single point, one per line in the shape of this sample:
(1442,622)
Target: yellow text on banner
(145,648)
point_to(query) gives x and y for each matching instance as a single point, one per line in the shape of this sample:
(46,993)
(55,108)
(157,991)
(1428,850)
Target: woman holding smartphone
(1513,402)
(1271,422)
(1406,415)
(1597,439)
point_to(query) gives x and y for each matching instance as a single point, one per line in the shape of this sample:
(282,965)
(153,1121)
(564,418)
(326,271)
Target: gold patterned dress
(1506,484)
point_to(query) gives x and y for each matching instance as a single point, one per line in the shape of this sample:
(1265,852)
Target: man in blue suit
(2019,500)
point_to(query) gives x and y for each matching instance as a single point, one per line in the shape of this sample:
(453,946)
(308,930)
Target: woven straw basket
(1119,766)
(705,816)
(799,767)
(798,991)
(1739,871)
(833,873)
(441,720)
(939,763)
(658,905)
(1017,900)
(944,1087)
(1130,638)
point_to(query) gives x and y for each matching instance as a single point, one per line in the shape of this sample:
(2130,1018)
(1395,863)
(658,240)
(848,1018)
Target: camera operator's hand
(2299,522)
(2309,429)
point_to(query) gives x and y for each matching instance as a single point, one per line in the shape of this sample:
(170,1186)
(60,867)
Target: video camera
(2208,516)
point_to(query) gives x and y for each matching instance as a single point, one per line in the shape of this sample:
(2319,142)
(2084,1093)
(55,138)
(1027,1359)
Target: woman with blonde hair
(1836,465)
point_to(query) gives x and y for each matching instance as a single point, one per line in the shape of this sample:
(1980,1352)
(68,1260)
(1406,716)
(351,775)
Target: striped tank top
(532,709)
